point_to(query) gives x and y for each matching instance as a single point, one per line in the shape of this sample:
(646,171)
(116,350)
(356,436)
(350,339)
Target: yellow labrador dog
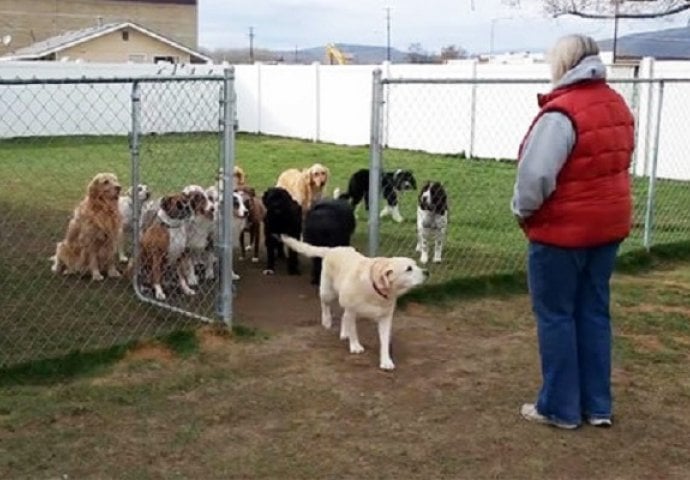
(364,287)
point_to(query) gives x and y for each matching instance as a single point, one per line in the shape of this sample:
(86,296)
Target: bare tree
(452,52)
(417,54)
(636,9)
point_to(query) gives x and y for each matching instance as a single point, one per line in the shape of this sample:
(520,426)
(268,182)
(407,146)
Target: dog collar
(167,221)
(378,290)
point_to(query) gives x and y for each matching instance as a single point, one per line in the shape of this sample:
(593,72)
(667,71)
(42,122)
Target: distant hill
(361,54)
(672,43)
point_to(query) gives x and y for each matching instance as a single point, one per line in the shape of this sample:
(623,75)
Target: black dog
(391,183)
(283,216)
(329,223)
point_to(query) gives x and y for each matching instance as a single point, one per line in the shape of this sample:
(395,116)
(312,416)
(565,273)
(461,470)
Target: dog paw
(113,273)
(268,271)
(209,275)
(387,364)
(327,322)
(437,259)
(356,348)
(255,259)
(423,258)
(398,219)
(192,281)
(96,276)
(235,276)
(124,259)
(188,291)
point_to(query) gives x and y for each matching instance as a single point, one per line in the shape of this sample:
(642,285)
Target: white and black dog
(432,220)
(126,207)
(391,183)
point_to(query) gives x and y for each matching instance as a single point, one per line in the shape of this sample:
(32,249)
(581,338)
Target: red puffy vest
(592,202)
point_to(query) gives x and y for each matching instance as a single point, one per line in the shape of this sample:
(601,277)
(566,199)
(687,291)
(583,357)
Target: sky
(290,24)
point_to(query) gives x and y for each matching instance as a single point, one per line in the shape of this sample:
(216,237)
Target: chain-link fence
(464,135)
(72,276)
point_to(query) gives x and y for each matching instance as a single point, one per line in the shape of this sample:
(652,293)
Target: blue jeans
(570,298)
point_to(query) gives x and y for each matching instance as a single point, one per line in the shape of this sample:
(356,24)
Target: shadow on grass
(637,261)
(184,343)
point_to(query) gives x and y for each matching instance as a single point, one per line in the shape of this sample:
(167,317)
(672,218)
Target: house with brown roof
(124,42)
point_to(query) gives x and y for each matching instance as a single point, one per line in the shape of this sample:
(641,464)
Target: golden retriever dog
(239,178)
(305,186)
(364,287)
(93,231)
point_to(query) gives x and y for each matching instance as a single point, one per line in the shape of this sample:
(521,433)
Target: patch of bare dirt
(658,308)
(647,343)
(213,338)
(149,351)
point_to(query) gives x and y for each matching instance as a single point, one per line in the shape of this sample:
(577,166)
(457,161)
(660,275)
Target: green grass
(42,179)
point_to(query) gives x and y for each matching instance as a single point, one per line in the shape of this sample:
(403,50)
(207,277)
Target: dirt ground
(294,404)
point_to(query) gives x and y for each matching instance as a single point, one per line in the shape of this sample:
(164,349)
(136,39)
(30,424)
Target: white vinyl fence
(333,104)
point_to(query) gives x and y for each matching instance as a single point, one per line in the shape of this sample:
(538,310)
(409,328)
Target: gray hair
(568,51)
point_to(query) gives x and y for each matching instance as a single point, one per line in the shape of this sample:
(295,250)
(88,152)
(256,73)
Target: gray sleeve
(545,151)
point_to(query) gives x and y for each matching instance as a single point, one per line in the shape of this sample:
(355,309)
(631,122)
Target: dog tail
(304,248)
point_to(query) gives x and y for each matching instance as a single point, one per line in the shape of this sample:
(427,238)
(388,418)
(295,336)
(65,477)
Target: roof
(70,39)
(672,43)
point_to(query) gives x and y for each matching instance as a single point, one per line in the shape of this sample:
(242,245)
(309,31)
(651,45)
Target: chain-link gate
(464,134)
(65,146)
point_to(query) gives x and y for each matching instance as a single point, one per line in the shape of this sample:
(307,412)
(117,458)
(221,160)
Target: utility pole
(251,45)
(388,34)
(296,53)
(615,29)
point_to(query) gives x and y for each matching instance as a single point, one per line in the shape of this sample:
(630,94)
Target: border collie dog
(391,184)
(432,220)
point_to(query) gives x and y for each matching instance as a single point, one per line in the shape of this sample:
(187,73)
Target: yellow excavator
(336,56)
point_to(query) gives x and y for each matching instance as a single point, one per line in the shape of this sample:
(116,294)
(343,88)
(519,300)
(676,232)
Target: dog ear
(92,190)
(381,275)
(167,203)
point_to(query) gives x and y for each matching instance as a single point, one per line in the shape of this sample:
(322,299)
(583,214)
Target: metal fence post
(649,209)
(375,162)
(473,110)
(134,153)
(225,247)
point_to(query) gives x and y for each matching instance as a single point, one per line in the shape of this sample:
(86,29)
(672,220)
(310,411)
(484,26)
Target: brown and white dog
(200,233)
(93,231)
(164,244)
(256,212)
(364,287)
(432,220)
(305,186)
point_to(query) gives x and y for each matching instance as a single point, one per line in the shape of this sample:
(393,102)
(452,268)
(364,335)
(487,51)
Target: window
(164,58)
(125,35)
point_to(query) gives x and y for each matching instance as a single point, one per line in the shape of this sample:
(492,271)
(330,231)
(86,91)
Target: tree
(417,54)
(452,52)
(602,9)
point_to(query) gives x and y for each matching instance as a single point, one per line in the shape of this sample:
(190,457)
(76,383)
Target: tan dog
(239,178)
(305,186)
(93,231)
(364,287)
